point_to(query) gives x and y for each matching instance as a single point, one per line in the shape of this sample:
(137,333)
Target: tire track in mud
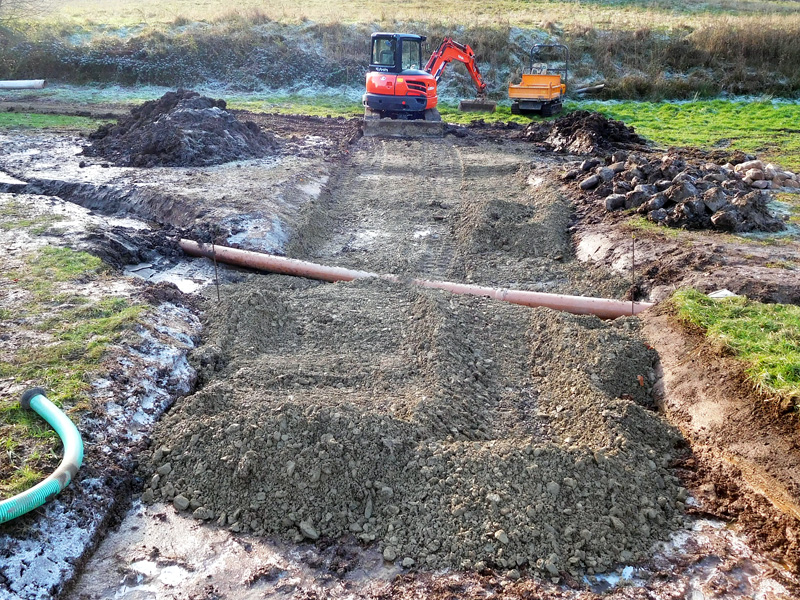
(387,210)
(445,209)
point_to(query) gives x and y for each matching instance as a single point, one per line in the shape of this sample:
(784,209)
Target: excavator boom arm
(449,51)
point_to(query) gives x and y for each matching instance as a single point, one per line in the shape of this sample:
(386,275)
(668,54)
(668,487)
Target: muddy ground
(357,438)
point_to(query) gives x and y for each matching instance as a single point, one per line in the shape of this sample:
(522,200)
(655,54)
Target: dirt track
(451,377)
(473,208)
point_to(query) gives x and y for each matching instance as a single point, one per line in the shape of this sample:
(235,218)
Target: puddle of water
(264,234)
(157,550)
(145,567)
(181,275)
(314,187)
(707,561)
(189,276)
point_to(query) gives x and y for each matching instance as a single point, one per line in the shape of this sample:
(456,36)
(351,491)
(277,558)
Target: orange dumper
(543,86)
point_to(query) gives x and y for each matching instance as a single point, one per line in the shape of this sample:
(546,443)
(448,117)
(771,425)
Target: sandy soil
(745,446)
(473,207)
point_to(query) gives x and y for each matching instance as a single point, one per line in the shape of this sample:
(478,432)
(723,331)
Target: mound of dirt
(583,132)
(392,414)
(180,129)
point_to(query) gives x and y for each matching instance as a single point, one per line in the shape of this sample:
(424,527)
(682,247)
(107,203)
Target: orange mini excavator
(400,87)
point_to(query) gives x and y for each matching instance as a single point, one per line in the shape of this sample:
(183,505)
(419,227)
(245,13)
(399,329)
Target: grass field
(628,14)
(764,336)
(761,127)
(66,337)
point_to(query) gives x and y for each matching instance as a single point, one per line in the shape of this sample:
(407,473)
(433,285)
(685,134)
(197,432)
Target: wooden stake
(216,272)
(633,271)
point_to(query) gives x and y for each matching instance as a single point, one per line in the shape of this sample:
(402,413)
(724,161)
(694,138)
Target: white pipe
(23,84)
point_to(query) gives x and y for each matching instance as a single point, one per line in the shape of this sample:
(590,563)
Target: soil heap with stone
(180,129)
(678,191)
(583,132)
(451,431)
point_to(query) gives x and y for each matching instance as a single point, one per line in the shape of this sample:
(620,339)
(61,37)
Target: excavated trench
(441,432)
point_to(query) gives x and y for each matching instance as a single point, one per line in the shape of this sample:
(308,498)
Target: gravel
(451,431)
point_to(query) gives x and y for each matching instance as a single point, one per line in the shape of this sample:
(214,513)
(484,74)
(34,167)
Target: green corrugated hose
(34,399)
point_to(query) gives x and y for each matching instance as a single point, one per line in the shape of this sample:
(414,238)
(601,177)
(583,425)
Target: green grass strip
(15,120)
(765,336)
(771,130)
(336,106)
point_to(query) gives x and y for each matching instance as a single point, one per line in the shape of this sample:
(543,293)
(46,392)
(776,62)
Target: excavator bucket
(477,105)
(403,128)
(430,126)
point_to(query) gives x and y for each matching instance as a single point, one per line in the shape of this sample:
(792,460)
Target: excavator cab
(543,84)
(398,87)
(396,53)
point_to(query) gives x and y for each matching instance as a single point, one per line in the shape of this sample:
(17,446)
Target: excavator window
(383,52)
(412,55)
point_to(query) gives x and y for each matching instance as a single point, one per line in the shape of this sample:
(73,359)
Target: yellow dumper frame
(542,87)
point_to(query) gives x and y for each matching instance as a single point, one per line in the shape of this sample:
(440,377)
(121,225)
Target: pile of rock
(677,192)
(764,177)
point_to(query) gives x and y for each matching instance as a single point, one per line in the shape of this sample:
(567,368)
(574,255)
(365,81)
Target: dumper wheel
(432,114)
(515,110)
(547,110)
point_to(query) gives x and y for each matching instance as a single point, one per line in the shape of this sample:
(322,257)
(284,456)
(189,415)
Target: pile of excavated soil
(180,129)
(583,132)
(452,431)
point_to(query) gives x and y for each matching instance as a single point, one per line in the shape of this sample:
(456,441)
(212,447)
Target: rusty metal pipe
(581,305)
(23,84)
